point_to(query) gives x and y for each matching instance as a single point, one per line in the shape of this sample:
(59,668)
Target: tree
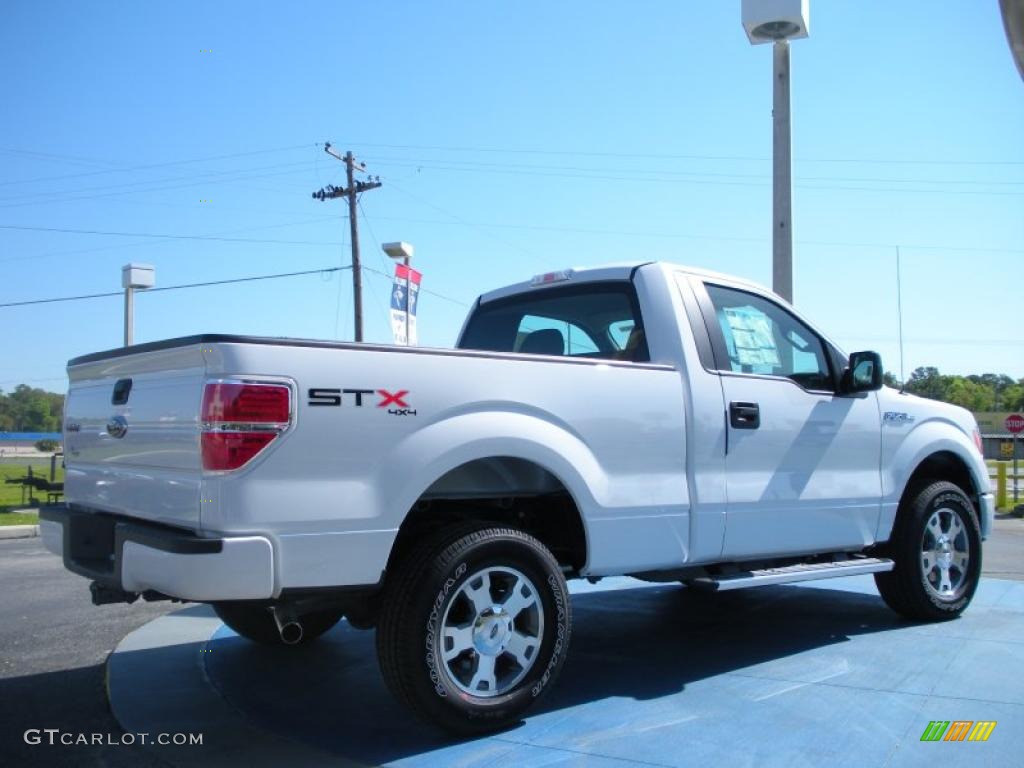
(6,417)
(47,446)
(927,382)
(27,409)
(1012,398)
(972,395)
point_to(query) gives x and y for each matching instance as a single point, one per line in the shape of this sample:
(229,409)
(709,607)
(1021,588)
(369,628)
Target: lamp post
(134,277)
(401,251)
(778,22)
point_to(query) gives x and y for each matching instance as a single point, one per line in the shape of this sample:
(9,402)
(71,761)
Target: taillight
(239,420)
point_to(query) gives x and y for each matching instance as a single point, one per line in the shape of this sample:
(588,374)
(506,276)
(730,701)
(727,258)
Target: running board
(790,573)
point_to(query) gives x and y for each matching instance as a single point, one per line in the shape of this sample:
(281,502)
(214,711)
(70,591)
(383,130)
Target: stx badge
(395,402)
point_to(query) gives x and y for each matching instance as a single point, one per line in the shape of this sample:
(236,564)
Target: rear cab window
(598,320)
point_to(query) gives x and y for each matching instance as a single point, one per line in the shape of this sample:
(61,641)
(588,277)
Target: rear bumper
(126,554)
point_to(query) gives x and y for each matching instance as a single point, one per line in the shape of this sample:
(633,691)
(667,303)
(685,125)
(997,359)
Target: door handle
(744,415)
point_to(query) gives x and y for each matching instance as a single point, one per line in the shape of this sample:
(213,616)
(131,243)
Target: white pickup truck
(643,419)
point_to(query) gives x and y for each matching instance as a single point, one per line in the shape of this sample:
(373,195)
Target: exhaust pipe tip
(289,628)
(291,633)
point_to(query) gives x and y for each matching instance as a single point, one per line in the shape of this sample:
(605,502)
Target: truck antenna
(899,316)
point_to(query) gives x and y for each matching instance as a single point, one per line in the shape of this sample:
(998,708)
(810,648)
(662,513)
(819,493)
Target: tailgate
(131,435)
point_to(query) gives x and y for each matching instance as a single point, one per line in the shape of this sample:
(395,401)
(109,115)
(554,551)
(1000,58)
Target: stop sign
(1014,423)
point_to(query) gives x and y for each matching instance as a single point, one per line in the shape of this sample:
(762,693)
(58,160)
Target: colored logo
(958,730)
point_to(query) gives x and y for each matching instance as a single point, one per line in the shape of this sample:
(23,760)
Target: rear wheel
(936,545)
(256,623)
(474,628)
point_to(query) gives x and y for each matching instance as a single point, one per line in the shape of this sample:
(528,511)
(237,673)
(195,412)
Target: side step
(800,572)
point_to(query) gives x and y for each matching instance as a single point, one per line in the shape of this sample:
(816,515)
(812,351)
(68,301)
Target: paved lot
(53,644)
(1004,550)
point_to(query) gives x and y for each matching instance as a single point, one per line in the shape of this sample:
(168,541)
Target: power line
(511,170)
(670,156)
(322,271)
(458,219)
(696,175)
(64,159)
(168,236)
(490,225)
(144,243)
(680,235)
(187,185)
(380,253)
(253,278)
(147,186)
(388,277)
(146,167)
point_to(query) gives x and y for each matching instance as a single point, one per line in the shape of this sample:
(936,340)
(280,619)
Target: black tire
(255,622)
(431,590)
(914,589)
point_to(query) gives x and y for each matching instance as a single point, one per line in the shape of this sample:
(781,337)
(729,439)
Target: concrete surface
(815,674)
(18,531)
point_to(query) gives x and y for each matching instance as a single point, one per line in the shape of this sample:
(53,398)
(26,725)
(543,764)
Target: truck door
(802,462)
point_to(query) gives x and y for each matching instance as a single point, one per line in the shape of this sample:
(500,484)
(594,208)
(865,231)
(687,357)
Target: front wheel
(936,545)
(474,628)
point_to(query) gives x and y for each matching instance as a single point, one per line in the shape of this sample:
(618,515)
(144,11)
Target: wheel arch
(942,465)
(935,449)
(505,490)
(522,464)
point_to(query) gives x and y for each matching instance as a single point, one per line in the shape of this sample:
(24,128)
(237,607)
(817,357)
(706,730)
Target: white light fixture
(399,251)
(767,21)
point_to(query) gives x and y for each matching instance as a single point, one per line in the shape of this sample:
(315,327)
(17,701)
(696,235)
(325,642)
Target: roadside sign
(1006,449)
(404,295)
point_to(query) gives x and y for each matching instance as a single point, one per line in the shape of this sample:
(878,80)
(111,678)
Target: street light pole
(782,175)
(129,315)
(134,276)
(778,22)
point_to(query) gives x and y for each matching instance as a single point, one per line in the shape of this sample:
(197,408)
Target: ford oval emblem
(117,426)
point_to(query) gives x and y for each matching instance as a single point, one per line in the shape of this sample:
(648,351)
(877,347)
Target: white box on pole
(766,21)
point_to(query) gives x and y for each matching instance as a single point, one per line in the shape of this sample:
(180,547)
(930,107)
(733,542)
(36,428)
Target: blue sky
(512,138)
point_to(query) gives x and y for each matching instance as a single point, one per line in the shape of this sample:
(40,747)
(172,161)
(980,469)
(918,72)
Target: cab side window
(763,338)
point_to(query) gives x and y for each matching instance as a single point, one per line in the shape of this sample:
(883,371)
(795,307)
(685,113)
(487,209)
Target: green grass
(11,495)
(19,518)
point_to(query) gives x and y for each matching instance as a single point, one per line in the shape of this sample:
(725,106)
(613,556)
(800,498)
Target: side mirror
(863,374)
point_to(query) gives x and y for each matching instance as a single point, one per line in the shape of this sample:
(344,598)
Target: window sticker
(752,337)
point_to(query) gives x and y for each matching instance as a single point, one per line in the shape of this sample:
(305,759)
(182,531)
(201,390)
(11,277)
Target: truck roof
(615,271)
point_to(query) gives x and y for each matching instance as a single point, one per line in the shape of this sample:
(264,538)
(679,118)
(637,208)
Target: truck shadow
(640,643)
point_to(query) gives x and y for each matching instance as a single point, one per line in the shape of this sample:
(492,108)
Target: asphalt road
(54,644)
(53,647)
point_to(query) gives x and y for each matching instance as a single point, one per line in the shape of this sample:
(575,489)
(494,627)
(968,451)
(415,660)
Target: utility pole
(352,192)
